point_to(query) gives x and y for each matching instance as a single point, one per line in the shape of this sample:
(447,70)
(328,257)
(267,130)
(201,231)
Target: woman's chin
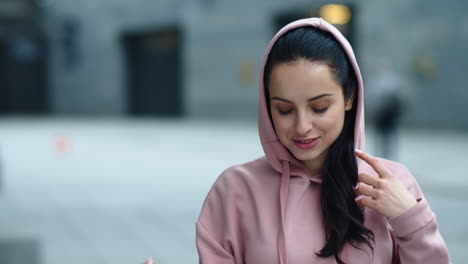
(305,155)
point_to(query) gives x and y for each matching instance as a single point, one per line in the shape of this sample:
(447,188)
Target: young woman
(315,197)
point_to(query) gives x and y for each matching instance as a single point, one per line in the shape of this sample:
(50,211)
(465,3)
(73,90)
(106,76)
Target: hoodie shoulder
(232,194)
(237,183)
(246,173)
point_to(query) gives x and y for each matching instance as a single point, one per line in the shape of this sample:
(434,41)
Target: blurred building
(201,58)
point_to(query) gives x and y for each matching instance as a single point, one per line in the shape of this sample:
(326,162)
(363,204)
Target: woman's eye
(321,110)
(281,112)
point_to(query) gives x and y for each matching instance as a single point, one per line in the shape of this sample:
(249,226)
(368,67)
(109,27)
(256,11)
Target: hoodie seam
(270,141)
(210,236)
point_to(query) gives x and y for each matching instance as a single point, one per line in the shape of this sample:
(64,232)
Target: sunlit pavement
(118,191)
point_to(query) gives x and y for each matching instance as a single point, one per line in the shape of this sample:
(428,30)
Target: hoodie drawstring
(284,189)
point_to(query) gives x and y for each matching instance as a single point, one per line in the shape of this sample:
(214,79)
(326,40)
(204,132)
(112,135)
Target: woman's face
(308,109)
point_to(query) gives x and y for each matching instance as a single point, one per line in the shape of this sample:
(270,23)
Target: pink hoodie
(268,210)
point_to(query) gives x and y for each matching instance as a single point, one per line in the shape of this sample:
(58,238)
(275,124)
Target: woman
(298,203)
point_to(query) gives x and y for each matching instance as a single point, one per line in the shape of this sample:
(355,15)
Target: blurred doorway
(23,71)
(153,72)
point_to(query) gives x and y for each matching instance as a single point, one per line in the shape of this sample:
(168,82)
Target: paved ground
(111,191)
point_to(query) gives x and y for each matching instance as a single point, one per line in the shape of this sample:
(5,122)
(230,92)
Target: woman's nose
(304,124)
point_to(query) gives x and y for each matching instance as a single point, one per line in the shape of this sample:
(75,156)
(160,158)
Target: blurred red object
(62,144)
(149,261)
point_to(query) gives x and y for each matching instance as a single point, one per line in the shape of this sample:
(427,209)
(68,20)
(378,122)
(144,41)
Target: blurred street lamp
(336,14)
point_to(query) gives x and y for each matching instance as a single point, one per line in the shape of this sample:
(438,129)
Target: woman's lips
(307,143)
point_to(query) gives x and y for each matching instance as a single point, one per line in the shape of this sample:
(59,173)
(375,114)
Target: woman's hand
(385,194)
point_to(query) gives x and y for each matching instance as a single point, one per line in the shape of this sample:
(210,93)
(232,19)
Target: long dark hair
(342,217)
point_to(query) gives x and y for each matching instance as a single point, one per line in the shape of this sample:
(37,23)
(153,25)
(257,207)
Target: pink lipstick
(306,143)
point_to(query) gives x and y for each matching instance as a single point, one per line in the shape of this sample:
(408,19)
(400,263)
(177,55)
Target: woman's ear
(349,102)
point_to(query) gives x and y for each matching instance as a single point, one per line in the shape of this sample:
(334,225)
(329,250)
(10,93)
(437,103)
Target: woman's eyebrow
(310,100)
(281,99)
(318,97)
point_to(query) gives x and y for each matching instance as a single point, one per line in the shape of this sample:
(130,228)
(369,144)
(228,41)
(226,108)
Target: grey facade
(222,43)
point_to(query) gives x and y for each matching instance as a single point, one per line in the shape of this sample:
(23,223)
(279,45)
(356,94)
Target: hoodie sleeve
(216,234)
(417,236)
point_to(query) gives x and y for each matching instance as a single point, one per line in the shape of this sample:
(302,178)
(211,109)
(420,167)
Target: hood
(274,150)
(278,156)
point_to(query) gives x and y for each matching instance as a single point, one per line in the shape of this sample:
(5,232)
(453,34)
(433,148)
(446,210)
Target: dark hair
(342,217)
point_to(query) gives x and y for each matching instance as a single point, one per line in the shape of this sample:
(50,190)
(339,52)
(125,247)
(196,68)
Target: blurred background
(117,116)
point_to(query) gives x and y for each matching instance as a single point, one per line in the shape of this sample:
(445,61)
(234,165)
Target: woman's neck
(315,166)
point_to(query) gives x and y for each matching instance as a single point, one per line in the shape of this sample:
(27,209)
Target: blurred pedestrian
(385,103)
(314,198)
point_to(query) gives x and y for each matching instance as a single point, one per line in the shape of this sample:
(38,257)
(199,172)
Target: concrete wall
(424,40)
(218,44)
(96,84)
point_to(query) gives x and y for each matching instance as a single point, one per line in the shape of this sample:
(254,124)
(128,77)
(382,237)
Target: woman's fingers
(369,180)
(367,191)
(373,162)
(368,202)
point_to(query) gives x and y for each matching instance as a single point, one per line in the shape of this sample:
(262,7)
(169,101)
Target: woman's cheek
(282,125)
(333,124)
